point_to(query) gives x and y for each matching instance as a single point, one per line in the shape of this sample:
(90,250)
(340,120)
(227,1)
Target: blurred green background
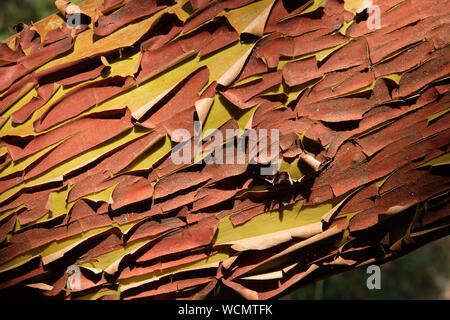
(423,274)
(26,11)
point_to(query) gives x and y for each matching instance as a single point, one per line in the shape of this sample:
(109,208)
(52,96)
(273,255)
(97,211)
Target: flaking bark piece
(208,12)
(38,55)
(100,130)
(109,5)
(47,88)
(98,177)
(208,197)
(45,92)
(35,203)
(151,228)
(110,243)
(28,269)
(178,181)
(335,110)
(301,71)
(241,96)
(179,99)
(86,97)
(316,41)
(436,67)
(9,56)
(6,226)
(406,60)
(80,210)
(381,45)
(130,12)
(131,191)
(197,235)
(16,92)
(353,54)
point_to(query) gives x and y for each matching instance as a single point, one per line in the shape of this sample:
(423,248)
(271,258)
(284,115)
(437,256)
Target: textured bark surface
(88,121)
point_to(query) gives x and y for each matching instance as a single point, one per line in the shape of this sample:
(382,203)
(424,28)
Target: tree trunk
(181,149)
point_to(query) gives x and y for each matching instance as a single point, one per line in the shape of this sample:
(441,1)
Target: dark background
(423,274)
